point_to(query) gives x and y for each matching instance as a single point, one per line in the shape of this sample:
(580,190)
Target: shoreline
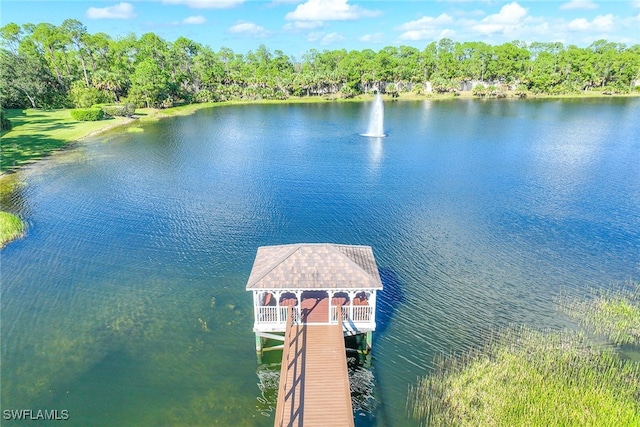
(126,121)
(148,115)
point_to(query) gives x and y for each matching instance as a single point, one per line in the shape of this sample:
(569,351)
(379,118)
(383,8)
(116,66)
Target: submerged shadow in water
(388,299)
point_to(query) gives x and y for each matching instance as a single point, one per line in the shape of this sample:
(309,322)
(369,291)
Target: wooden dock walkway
(314,381)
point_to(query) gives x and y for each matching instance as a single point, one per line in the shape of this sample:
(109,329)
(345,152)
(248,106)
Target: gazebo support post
(259,348)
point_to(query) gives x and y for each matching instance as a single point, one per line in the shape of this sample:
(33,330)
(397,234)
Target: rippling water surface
(125,303)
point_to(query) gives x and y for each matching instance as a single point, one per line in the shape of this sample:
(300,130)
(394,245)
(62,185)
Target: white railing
(350,314)
(360,313)
(353,314)
(267,314)
(271,314)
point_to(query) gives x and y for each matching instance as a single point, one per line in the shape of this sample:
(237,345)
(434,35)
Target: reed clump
(525,377)
(614,314)
(11,228)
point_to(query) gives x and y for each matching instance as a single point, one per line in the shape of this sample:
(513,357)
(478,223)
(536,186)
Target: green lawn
(36,133)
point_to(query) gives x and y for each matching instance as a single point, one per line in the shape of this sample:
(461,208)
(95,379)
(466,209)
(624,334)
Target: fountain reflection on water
(376,119)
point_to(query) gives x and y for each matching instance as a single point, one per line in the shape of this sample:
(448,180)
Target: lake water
(125,304)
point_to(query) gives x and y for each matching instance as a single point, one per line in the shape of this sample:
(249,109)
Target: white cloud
(372,38)
(636,4)
(302,25)
(315,36)
(329,10)
(511,21)
(579,24)
(579,5)
(601,23)
(507,20)
(248,29)
(331,38)
(279,2)
(510,13)
(324,39)
(426,22)
(446,33)
(194,20)
(417,35)
(206,4)
(119,11)
(425,28)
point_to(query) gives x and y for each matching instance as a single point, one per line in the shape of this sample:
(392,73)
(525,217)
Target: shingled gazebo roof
(314,266)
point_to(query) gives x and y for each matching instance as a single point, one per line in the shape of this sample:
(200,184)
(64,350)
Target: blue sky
(295,26)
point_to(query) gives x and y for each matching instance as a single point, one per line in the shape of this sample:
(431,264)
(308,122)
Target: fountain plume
(376,119)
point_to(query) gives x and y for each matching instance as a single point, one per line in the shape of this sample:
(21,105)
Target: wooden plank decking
(314,381)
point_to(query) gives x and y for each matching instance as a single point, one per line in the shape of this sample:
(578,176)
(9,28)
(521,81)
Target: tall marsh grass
(524,377)
(614,314)
(11,227)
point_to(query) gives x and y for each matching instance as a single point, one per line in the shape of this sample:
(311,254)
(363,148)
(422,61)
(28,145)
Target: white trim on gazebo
(346,273)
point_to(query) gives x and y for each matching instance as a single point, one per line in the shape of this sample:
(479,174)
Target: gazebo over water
(309,277)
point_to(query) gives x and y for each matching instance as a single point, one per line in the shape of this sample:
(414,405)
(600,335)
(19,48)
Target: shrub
(84,97)
(479,90)
(442,85)
(521,90)
(87,114)
(123,110)
(206,95)
(391,89)
(347,92)
(280,94)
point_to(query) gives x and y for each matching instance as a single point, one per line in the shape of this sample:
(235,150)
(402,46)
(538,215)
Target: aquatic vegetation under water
(63,348)
(526,377)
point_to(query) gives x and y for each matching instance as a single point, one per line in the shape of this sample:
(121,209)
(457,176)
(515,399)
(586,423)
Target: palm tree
(108,81)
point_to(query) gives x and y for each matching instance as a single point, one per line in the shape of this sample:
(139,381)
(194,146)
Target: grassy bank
(11,228)
(37,133)
(530,378)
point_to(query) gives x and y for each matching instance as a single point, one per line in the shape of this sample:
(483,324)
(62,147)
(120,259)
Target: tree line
(49,66)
